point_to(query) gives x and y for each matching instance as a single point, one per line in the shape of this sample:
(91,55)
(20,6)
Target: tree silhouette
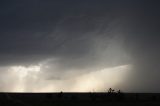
(111,90)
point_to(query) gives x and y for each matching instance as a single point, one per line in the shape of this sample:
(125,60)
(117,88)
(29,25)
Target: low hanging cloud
(68,40)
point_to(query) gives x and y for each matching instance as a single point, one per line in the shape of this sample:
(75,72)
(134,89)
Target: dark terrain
(79,99)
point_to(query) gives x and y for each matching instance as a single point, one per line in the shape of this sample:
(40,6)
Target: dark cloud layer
(83,35)
(48,28)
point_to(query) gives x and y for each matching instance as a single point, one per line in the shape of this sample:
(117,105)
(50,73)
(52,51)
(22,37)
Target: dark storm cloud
(46,29)
(86,35)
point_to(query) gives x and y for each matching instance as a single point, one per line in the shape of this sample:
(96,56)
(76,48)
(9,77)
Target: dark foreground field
(79,99)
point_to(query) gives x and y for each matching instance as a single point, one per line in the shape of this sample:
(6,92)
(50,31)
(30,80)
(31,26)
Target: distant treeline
(91,97)
(110,96)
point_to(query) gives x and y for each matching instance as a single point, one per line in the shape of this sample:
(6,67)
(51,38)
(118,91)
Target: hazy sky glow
(71,45)
(19,77)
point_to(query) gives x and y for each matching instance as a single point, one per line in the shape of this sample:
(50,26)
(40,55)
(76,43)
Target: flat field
(80,99)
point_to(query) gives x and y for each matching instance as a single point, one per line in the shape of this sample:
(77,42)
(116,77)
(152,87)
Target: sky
(79,45)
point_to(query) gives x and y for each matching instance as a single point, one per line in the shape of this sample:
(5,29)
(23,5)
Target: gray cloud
(72,38)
